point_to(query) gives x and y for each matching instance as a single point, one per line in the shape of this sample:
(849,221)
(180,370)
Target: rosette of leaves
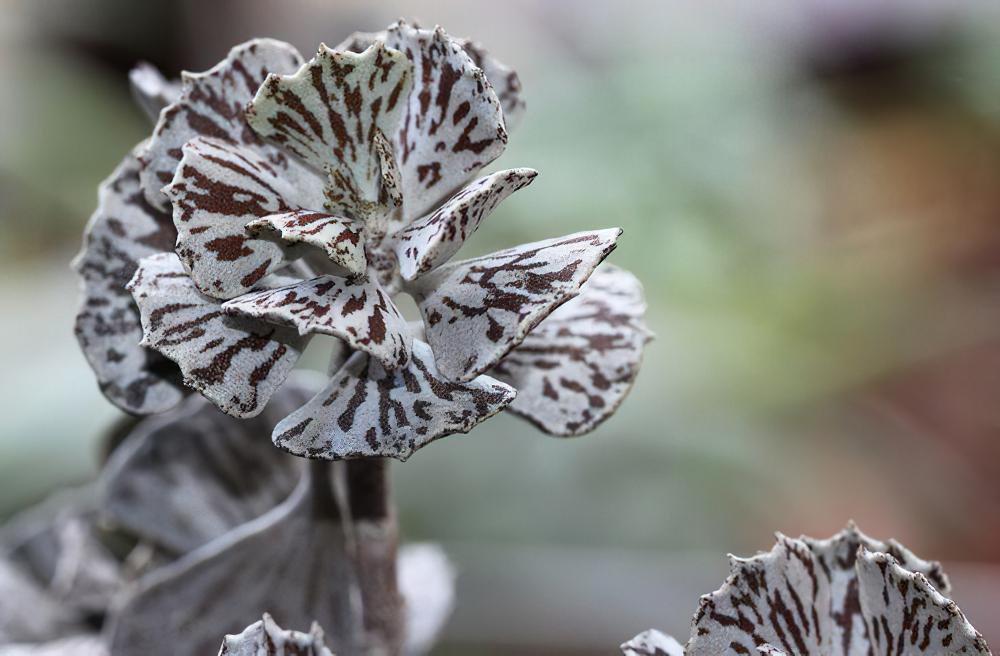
(848,595)
(279,199)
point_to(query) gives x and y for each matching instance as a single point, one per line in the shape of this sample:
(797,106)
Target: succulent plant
(278,200)
(304,197)
(845,596)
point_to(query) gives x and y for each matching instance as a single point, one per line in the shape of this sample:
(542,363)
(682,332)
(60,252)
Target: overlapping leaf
(477,310)
(289,562)
(187,477)
(218,189)
(360,313)
(574,370)
(365,411)
(152,92)
(431,241)
(236,363)
(341,239)
(453,123)
(831,597)
(266,637)
(837,557)
(904,614)
(652,643)
(212,104)
(504,80)
(123,230)
(332,113)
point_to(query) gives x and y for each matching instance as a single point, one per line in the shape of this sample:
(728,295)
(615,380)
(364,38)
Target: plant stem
(377,538)
(324,499)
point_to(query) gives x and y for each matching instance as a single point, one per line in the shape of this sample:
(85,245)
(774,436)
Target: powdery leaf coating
(289,563)
(832,597)
(122,230)
(431,241)
(906,615)
(360,313)
(504,80)
(212,104)
(574,370)
(366,412)
(236,363)
(340,238)
(475,311)
(453,125)
(774,598)
(330,112)
(652,643)
(182,479)
(218,189)
(265,638)
(836,558)
(151,91)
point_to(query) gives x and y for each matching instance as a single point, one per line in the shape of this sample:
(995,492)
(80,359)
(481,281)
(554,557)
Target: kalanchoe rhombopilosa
(303,196)
(848,595)
(277,200)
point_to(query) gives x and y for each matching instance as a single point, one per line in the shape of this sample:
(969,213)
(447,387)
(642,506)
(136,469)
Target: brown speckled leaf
(123,230)
(652,643)
(151,91)
(360,313)
(836,558)
(902,609)
(453,125)
(574,370)
(340,238)
(504,79)
(266,637)
(365,411)
(212,104)
(291,563)
(477,310)
(218,189)
(235,363)
(331,113)
(832,598)
(187,477)
(764,590)
(431,241)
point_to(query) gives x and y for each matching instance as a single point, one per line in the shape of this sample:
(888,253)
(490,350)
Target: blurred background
(810,191)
